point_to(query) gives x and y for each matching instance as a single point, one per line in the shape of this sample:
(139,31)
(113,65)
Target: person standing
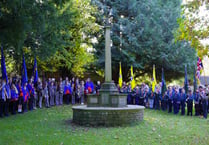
(67,92)
(190,99)
(20,97)
(61,89)
(196,102)
(26,95)
(52,89)
(30,101)
(46,94)
(40,93)
(183,101)
(170,100)
(57,102)
(129,95)
(8,99)
(82,89)
(14,98)
(204,98)
(176,99)
(2,98)
(157,99)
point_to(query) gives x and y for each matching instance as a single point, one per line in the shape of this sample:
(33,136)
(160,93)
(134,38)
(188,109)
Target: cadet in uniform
(190,99)
(183,101)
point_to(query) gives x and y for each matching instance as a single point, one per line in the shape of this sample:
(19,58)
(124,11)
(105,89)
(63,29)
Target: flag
(154,82)
(35,71)
(163,88)
(120,80)
(24,72)
(133,83)
(194,80)
(3,66)
(186,81)
(199,67)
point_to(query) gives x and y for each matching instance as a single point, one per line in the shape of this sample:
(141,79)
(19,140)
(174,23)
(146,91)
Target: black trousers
(30,103)
(197,110)
(14,106)
(68,96)
(205,109)
(169,105)
(189,107)
(183,107)
(2,103)
(6,107)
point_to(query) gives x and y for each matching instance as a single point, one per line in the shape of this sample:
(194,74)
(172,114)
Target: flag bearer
(196,102)
(26,96)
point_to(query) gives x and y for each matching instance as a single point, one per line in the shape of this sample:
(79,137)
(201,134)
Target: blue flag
(3,66)
(163,88)
(186,81)
(24,72)
(35,71)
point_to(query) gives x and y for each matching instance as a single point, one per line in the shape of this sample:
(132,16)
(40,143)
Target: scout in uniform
(52,89)
(20,97)
(157,99)
(170,100)
(26,95)
(190,99)
(196,102)
(82,89)
(176,99)
(183,101)
(14,98)
(61,89)
(8,99)
(2,98)
(67,92)
(204,98)
(46,95)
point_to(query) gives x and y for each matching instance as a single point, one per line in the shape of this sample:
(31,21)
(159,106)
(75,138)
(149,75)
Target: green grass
(53,126)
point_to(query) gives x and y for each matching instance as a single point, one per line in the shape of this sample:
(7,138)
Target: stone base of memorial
(109,108)
(107,116)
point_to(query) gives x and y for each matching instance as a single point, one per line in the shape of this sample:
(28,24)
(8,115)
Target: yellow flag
(120,80)
(154,82)
(133,83)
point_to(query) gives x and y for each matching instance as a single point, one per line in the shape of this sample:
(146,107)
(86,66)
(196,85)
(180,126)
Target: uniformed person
(26,95)
(170,99)
(190,99)
(196,102)
(14,98)
(176,100)
(204,98)
(67,92)
(61,89)
(46,94)
(183,101)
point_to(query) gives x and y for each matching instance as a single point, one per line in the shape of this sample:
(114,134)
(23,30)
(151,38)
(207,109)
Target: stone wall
(107,117)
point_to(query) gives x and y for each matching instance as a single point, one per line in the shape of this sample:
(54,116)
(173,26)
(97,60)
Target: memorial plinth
(109,107)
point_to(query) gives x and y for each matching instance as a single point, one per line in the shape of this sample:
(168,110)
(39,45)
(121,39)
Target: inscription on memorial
(122,101)
(105,99)
(93,100)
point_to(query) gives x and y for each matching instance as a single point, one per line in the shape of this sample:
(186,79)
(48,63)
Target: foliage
(53,126)
(58,32)
(147,37)
(193,27)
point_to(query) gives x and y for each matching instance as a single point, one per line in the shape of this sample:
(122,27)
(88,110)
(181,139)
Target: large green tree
(142,35)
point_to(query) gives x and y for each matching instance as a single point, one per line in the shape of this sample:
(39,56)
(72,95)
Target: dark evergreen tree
(142,35)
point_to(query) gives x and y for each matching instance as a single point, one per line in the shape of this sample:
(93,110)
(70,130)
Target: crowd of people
(16,96)
(174,99)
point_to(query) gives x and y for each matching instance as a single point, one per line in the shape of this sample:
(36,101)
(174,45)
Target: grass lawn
(53,126)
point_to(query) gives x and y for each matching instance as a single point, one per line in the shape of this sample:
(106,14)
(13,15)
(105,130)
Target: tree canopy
(142,35)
